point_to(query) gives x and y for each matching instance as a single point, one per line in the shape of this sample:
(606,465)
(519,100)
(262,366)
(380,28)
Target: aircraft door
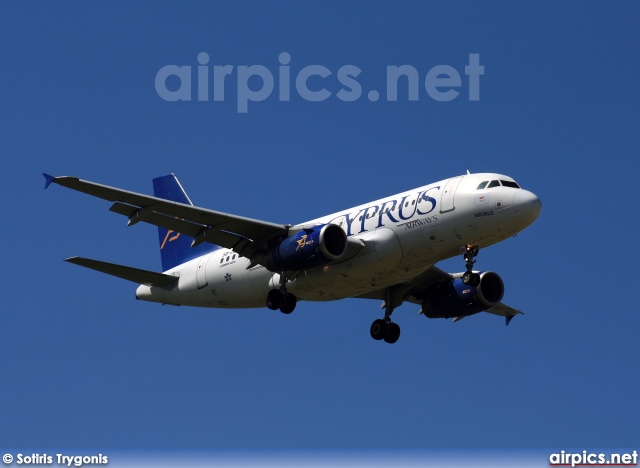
(448,195)
(201,277)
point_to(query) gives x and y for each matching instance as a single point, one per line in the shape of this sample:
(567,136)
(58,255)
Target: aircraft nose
(527,205)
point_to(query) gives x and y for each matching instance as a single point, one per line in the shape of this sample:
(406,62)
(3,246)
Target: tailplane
(175,248)
(148,278)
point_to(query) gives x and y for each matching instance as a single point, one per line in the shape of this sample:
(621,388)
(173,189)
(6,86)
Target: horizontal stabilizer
(148,278)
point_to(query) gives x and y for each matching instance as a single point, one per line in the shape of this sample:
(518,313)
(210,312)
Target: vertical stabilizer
(175,248)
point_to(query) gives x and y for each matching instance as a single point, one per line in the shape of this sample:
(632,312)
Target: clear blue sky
(83,364)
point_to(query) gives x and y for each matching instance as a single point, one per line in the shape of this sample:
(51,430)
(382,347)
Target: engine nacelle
(456,299)
(310,248)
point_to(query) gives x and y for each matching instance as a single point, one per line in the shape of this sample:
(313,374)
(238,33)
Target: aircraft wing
(505,311)
(244,235)
(409,291)
(415,289)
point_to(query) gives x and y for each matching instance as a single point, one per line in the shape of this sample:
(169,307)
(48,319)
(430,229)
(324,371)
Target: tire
(467,276)
(289,303)
(393,333)
(275,299)
(378,329)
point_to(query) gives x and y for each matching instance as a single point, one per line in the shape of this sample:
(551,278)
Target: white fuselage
(403,235)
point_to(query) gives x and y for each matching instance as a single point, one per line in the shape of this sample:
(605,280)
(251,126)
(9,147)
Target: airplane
(385,250)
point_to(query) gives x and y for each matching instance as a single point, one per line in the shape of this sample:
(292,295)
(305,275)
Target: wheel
(466,277)
(393,333)
(475,280)
(289,303)
(378,329)
(275,299)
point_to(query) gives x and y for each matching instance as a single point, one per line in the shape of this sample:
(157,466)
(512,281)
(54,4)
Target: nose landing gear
(385,329)
(469,277)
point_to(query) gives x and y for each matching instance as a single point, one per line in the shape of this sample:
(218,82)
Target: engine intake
(309,248)
(456,299)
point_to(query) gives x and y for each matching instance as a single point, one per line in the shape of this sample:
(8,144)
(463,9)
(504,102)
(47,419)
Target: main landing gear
(469,277)
(280,298)
(385,329)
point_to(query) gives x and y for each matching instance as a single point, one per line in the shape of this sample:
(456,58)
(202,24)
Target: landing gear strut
(280,298)
(469,277)
(385,329)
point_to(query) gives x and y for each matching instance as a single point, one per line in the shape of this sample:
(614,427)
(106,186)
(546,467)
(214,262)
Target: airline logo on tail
(171,239)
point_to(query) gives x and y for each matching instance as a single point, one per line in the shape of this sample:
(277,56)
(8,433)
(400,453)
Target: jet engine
(456,299)
(309,248)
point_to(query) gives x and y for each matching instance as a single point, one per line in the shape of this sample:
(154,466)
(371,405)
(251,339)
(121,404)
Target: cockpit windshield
(497,183)
(508,183)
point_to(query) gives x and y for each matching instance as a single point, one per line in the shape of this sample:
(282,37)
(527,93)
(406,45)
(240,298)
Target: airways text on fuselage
(391,211)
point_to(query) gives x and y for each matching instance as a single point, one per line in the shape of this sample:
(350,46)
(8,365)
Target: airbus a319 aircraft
(386,249)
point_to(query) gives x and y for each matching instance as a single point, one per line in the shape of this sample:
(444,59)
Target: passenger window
(494,183)
(482,185)
(508,183)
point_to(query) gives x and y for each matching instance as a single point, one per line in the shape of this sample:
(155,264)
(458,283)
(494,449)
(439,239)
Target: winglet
(48,180)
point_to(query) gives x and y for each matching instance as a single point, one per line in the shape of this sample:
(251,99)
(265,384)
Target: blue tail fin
(175,248)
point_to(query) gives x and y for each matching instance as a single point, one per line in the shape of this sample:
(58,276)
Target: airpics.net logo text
(257,83)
